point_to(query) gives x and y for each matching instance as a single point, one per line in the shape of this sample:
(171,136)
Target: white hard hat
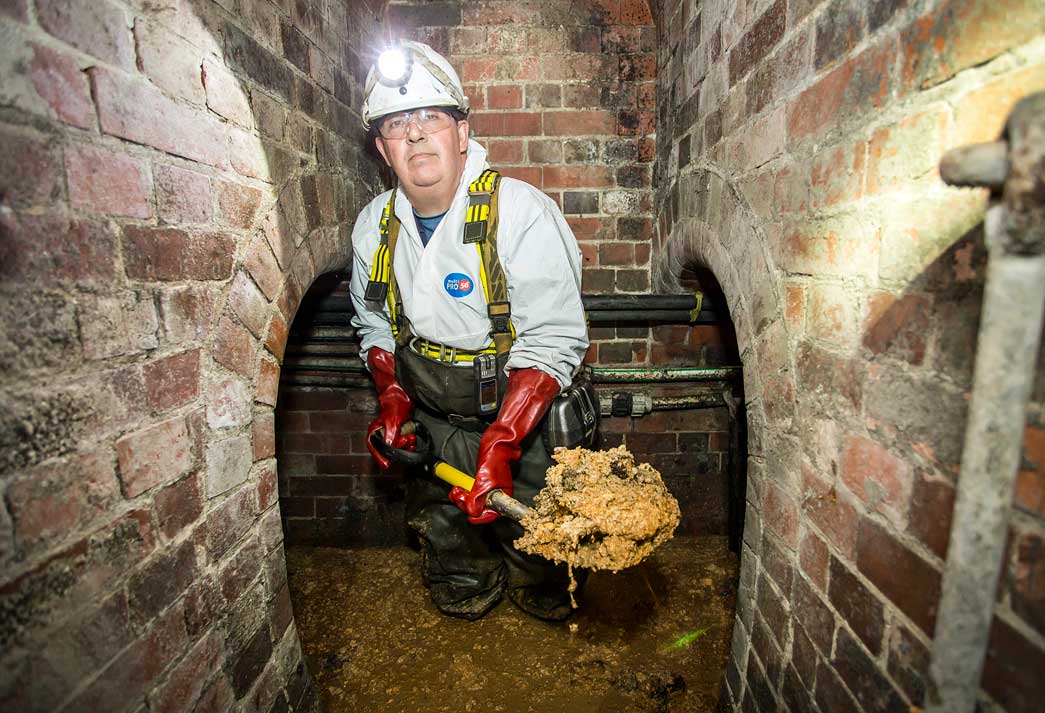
(408,76)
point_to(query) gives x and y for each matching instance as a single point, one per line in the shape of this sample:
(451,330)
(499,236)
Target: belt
(445,354)
(467,423)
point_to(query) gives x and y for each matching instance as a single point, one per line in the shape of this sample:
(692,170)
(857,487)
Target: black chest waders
(465,386)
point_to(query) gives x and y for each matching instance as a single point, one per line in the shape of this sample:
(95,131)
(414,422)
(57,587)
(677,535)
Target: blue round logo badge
(458,284)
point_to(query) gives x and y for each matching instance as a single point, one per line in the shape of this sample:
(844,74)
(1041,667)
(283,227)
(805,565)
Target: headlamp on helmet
(411,75)
(393,66)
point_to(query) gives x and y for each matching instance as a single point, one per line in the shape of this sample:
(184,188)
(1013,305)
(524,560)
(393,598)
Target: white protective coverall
(440,284)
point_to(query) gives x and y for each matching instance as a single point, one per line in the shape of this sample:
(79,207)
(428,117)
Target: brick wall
(174,175)
(797,153)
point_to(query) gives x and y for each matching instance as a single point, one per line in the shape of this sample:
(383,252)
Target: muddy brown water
(374,641)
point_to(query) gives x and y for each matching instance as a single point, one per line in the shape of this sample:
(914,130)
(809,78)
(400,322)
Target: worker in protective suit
(467,291)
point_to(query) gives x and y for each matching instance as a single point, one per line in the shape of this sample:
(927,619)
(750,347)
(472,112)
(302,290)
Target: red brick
(897,325)
(109,183)
(579,123)
(229,521)
(177,506)
(30,171)
(832,313)
(58,80)
(963,33)
(877,477)
(268,381)
(530,174)
(225,95)
(764,34)
(267,488)
(780,514)
(636,123)
(510,151)
(637,67)
(131,109)
(577,177)
(59,248)
(616,254)
(96,27)
(262,266)
(813,559)
(1012,669)
(478,69)
(521,124)
(138,667)
(264,432)
(277,336)
(1030,480)
(910,582)
(234,347)
(476,96)
(169,61)
(864,676)
(183,196)
(167,254)
(55,500)
(830,512)
(187,313)
(172,381)
(859,607)
(249,304)
(858,86)
(504,96)
(188,679)
(931,511)
(837,175)
(635,12)
(153,456)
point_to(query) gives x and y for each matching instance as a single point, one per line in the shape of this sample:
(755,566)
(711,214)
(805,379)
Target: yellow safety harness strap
(382,285)
(481,229)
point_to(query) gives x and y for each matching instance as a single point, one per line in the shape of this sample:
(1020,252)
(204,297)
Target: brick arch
(716,229)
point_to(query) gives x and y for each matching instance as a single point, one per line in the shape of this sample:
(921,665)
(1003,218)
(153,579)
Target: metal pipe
(639,404)
(666,316)
(1006,354)
(603,375)
(648,302)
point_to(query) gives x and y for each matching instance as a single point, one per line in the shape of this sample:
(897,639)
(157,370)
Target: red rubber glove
(530,392)
(396,407)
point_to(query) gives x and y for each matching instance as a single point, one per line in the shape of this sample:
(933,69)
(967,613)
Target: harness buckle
(500,314)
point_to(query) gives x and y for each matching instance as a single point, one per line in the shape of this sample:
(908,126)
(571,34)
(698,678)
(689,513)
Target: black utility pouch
(573,417)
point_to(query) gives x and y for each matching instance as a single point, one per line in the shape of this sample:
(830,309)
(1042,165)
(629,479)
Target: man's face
(430,155)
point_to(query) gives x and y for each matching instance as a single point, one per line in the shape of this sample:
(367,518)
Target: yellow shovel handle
(496,500)
(446,472)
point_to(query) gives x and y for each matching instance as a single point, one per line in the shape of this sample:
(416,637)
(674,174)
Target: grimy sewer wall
(797,152)
(177,172)
(174,174)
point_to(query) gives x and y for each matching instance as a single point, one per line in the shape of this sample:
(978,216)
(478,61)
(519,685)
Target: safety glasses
(396,126)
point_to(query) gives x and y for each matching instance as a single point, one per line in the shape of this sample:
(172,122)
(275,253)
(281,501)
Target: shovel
(497,500)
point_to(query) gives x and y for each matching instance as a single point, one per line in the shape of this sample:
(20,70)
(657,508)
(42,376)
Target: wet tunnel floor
(374,642)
